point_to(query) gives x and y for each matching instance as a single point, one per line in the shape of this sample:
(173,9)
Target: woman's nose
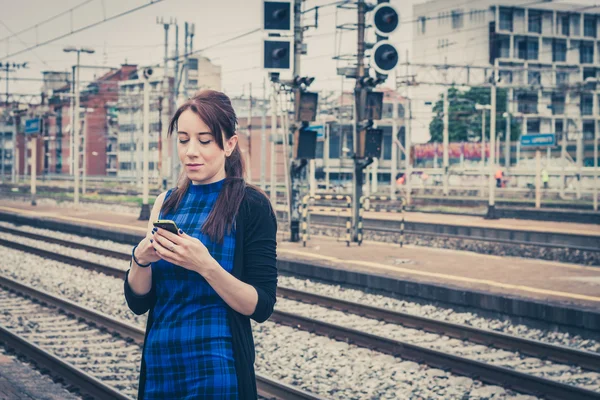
(193,150)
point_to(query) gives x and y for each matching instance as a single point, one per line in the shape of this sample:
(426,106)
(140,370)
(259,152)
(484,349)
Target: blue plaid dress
(188,352)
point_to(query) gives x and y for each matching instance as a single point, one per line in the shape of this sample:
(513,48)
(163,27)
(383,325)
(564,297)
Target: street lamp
(75,119)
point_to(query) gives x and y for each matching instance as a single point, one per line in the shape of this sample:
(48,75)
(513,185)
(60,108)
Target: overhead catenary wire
(106,19)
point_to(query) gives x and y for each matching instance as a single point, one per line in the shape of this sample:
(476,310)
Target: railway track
(96,353)
(485,372)
(550,240)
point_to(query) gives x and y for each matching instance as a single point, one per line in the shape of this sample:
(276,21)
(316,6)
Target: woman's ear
(230,145)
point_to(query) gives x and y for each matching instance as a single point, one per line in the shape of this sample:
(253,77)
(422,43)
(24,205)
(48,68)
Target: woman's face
(200,155)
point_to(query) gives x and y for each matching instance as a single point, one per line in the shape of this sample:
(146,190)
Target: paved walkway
(541,280)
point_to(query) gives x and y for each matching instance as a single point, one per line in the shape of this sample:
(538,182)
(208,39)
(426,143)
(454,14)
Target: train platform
(497,282)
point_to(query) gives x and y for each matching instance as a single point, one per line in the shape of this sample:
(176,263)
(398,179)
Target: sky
(137,38)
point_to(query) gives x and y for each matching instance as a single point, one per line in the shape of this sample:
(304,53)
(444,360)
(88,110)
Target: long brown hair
(214,108)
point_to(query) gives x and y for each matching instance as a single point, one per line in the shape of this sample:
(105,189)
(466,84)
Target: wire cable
(132,10)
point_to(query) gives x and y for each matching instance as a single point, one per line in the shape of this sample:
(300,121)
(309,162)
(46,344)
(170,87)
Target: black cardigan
(255,264)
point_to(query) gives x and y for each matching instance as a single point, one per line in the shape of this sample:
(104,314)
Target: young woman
(204,284)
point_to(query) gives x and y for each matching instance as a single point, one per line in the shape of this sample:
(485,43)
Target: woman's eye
(184,140)
(205,142)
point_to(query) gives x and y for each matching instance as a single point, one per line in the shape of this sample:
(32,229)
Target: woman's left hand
(183,250)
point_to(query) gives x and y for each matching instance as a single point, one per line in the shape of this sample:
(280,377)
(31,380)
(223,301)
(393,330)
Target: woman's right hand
(144,252)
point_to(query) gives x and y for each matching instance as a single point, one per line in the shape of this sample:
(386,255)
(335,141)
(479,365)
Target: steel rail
(518,381)
(267,387)
(487,373)
(538,349)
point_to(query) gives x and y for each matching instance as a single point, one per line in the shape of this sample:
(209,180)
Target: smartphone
(168,225)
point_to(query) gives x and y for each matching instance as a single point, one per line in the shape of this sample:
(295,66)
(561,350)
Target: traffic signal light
(277,16)
(305,105)
(369,143)
(305,143)
(303,80)
(277,54)
(385,57)
(385,19)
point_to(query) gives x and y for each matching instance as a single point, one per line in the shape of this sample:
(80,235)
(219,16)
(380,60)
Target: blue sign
(539,140)
(320,129)
(32,126)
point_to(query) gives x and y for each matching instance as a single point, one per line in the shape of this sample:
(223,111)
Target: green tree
(464,121)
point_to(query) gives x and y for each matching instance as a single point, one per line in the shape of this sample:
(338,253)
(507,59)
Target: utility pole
(491,213)
(84,154)
(395,144)
(445,139)
(175,95)
(186,60)
(76,139)
(263,138)
(272,188)
(408,138)
(249,133)
(163,143)
(509,102)
(483,151)
(145,211)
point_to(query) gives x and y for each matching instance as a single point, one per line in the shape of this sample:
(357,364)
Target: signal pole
(295,171)
(359,164)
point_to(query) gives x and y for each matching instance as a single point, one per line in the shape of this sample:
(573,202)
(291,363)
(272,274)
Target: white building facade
(544,53)
(130,128)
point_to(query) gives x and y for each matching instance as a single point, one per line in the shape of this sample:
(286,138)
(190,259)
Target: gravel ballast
(323,366)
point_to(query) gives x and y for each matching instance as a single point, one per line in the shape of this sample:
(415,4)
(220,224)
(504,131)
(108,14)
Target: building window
(193,82)
(506,77)
(528,49)
(535,21)
(527,102)
(503,46)
(533,126)
(558,127)
(457,19)
(506,19)
(589,26)
(562,78)
(193,64)
(559,50)
(589,128)
(400,111)
(558,104)
(565,23)
(586,52)
(422,24)
(534,78)
(587,104)
(589,73)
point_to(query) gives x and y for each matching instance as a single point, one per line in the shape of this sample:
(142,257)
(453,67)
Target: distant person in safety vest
(498,177)
(545,178)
